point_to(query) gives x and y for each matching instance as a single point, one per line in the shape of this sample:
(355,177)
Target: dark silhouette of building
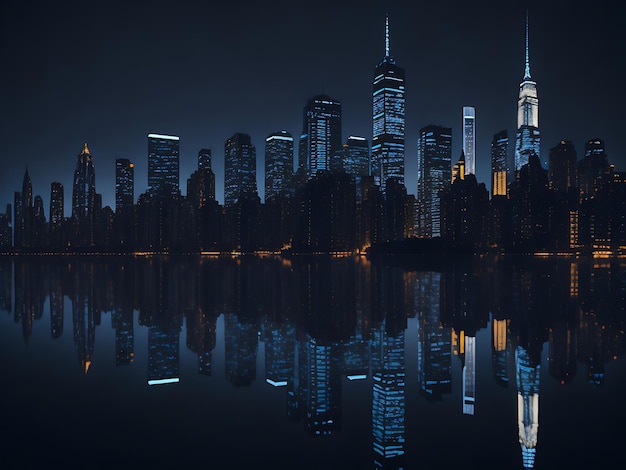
(500,163)
(278,164)
(84,200)
(163,164)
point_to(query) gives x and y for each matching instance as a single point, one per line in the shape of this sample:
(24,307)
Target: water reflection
(324,323)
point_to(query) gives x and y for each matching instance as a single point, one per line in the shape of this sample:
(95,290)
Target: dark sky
(109,73)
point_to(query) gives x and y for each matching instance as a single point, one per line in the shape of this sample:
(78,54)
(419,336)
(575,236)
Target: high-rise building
(163,164)
(434,156)
(56,214)
(353,158)
(239,168)
(124,184)
(469,139)
(204,158)
(321,134)
(527,139)
(388,116)
(562,167)
(278,163)
(84,199)
(499,163)
(593,168)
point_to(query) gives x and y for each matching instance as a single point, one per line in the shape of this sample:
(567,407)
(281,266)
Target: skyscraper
(204,158)
(56,214)
(124,184)
(163,159)
(84,199)
(388,117)
(353,158)
(278,163)
(499,163)
(434,155)
(321,134)
(527,139)
(562,167)
(239,168)
(469,139)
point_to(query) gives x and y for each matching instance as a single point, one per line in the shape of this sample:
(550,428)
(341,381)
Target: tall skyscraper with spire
(84,199)
(527,140)
(388,116)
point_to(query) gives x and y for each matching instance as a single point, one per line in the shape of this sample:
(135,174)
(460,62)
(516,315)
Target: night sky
(107,73)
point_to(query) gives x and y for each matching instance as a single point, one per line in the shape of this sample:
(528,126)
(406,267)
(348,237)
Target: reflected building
(434,347)
(280,349)
(527,375)
(241,345)
(56,300)
(388,118)
(163,354)
(388,398)
(122,322)
(84,314)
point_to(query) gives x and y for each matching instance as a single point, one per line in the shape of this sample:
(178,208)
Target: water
(313,362)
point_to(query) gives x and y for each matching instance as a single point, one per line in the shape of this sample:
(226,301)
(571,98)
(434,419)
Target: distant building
(163,164)
(527,139)
(434,155)
(239,168)
(499,163)
(124,184)
(278,164)
(388,117)
(84,200)
(469,139)
(321,134)
(353,158)
(57,218)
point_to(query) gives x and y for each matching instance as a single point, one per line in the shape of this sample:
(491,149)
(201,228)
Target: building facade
(278,163)
(388,118)
(163,164)
(469,139)
(434,155)
(239,168)
(527,139)
(499,163)
(321,134)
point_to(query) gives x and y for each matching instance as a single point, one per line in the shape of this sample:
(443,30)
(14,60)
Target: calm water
(312,363)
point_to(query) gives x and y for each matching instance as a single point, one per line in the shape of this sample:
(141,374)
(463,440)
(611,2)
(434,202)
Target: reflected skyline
(314,330)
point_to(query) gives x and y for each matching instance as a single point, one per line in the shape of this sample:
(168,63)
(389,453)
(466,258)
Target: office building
(239,168)
(388,118)
(163,164)
(499,163)
(321,134)
(124,184)
(562,167)
(278,164)
(434,155)
(469,139)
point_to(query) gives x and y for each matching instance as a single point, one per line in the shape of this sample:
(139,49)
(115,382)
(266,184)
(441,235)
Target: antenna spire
(527,68)
(387,35)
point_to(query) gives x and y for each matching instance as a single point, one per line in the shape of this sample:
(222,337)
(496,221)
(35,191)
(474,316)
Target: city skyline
(96,93)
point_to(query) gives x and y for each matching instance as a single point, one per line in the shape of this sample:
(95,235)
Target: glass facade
(124,184)
(163,164)
(388,122)
(469,139)
(434,156)
(499,163)
(84,198)
(527,139)
(321,134)
(278,163)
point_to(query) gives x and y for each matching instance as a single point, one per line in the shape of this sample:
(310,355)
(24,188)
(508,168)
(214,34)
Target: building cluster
(342,196)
